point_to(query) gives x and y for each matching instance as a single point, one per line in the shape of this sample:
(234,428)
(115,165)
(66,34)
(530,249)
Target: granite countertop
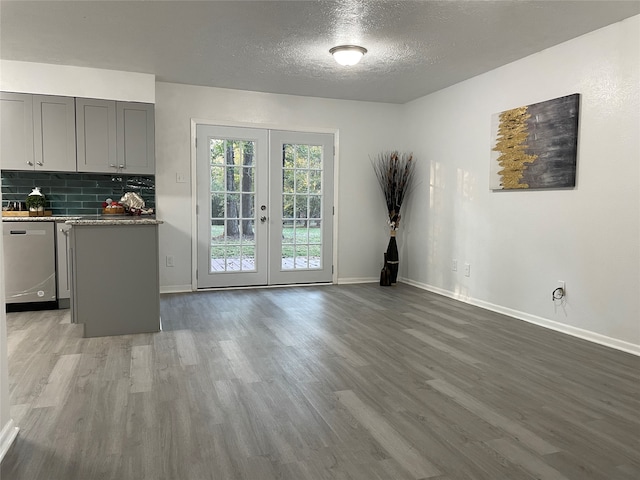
(91,220)
(51,218)
(103,221)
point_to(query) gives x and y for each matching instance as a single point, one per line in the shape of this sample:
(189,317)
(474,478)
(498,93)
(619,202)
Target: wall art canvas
(536,146)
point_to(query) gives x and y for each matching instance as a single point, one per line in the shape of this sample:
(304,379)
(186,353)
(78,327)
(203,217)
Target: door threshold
(260,287)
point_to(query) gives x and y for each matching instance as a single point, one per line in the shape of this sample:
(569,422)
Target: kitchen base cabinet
(115,279)
(62,265)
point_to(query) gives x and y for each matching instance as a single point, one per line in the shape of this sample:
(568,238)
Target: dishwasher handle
(27,232)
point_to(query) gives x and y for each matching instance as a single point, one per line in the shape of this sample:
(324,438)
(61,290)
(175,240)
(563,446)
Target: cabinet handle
(121,166)
(29,163)
(113,166)
(40,164)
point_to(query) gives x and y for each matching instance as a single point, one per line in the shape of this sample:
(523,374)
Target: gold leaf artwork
(511,144)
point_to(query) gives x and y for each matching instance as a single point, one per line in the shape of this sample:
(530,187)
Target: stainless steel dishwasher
(29,262)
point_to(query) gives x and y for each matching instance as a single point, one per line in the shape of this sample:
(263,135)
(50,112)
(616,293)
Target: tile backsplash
(76,193)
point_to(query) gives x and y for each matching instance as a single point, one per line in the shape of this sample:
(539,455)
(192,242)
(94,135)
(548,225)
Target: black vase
(392,257)
(385,274)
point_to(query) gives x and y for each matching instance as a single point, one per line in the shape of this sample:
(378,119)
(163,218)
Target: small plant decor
(396,175)
(35,200)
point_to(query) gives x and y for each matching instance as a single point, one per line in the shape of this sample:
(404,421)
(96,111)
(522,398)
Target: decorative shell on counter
(135,204)
(132,200)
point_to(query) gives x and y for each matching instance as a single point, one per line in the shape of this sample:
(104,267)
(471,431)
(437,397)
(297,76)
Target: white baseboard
(543,322)
(7,436)
(175,289)
(346,281)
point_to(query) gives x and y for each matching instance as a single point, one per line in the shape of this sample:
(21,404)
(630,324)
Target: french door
(265,207)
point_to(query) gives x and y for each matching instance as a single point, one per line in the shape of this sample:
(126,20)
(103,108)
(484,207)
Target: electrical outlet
(170,261)
(181,178)
(454,265)
(467,270)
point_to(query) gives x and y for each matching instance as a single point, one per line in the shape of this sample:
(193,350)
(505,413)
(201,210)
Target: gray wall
(520,243)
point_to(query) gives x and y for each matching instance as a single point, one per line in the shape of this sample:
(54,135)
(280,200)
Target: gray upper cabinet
(115,136)
(66,134)
(16,131)
(96,135)
(38,132)
(54,133)
(135,125)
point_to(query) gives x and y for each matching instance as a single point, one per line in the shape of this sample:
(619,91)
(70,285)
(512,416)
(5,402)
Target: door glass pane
(315,207)
(217,205)
(217,152)
(248,257)
(315,181)
(301,236)
(287,207)
(302,183)
(232,170)
(248,205)
(302,156)
(287,232)
(315,156)
(302,254)
(288,154)
(217,179)
(301,208)
(248,232)
(287,180)
(248,183)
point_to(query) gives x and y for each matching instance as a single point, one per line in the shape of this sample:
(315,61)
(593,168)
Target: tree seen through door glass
(232,170)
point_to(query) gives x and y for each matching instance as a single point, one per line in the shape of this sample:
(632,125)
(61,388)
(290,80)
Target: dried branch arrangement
(396,174)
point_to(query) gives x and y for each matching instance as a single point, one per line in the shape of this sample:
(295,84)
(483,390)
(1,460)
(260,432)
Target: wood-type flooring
(349,382)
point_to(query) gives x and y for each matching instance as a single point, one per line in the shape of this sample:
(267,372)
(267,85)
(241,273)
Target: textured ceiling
(415,47)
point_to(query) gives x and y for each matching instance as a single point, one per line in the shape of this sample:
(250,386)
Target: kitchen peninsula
(115,275)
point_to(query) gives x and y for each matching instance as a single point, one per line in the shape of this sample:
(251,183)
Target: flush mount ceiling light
(347,55)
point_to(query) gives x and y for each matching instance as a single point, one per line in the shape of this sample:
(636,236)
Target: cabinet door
(63,272)
(16,131)
(96,135)
(54,133)
(136,138)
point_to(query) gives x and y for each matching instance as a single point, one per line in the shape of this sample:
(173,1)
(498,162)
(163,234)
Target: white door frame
(267,126)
